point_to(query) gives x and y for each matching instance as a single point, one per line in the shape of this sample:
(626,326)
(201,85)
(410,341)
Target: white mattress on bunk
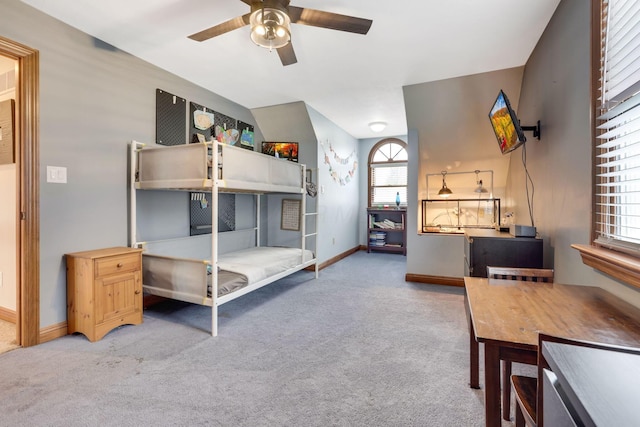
(261,262)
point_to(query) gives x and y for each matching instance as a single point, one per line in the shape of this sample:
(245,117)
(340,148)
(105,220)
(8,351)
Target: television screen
(506,125)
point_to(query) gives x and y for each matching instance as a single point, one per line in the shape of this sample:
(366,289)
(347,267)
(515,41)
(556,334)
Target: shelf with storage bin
(386,230)
(456,215)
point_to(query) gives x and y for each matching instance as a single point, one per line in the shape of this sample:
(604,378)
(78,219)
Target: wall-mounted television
(506,125)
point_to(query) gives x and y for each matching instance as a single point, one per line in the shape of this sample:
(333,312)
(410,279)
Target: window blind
(386,181)
(617,150)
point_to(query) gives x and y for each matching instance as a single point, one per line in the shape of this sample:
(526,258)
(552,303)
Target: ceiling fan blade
(246,1)
(334,21)
(225,27)
(287,54)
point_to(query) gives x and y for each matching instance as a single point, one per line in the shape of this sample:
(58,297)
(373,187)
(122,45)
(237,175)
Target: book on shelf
(387,224)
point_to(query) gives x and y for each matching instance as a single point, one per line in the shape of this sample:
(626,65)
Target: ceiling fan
(270,25)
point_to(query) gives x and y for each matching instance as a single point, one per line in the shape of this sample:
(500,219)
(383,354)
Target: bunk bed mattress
(236,270)
(261,262)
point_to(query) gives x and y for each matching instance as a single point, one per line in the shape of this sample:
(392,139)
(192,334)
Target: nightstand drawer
(117,264)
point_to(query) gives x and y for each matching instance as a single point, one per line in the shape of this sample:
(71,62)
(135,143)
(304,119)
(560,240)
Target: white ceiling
(349,78)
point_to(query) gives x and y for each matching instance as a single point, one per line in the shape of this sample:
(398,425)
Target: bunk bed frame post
(258,201)
(133,212)
(214,239)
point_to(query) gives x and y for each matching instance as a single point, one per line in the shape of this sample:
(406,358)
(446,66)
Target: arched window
(388,173)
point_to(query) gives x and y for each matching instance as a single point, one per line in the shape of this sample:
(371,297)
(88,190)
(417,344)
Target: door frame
(28,157)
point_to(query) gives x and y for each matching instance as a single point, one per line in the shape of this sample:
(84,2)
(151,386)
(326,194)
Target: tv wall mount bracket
(535,129)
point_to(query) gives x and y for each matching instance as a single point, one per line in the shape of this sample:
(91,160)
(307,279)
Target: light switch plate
(57,174)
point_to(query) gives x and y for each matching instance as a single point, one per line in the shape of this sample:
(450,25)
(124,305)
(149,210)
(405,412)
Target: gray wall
(449,129)
(338,194)
(94,99)
(556,89)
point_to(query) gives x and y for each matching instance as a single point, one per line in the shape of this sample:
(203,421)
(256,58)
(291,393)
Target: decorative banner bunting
(336,164)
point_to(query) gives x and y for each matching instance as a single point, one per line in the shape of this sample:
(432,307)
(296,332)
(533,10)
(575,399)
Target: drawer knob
(137,292)
(119,265)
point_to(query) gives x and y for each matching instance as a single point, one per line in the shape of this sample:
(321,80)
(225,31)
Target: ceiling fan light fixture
(270,28)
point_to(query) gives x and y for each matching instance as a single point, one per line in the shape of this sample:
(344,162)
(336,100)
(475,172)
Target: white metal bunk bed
(191,269)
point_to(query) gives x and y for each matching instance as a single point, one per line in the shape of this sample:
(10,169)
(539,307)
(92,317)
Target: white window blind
(617,151)
(386,182)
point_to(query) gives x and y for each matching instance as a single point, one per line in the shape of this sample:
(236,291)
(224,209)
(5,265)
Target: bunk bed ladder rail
(306,215)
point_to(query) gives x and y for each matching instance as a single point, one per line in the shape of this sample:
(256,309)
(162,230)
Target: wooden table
(507,315)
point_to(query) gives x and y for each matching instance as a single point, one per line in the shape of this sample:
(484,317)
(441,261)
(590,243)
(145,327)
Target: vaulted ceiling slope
(351,79)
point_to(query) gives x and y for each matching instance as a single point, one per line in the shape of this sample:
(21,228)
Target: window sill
(616,264)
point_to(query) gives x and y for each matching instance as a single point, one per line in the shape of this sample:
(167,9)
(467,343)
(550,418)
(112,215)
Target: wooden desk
(507,316)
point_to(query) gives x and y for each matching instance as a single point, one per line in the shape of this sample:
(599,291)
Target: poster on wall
(281,150)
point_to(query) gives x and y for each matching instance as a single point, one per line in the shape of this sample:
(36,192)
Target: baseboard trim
(434,280)
(338,257)
(335,259)
(8,315)
(52,332)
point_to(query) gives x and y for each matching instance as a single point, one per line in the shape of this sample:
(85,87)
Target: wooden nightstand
(104,290)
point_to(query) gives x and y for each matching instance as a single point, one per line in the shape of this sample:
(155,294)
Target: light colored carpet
(357,347)
(7,336)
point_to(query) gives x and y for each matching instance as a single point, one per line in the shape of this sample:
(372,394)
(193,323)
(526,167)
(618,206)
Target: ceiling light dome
(270,28)
(377,126)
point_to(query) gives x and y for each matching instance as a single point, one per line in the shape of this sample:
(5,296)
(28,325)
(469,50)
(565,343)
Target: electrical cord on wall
(526,183)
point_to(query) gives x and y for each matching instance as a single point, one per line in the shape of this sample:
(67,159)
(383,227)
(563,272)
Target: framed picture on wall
(290,219)
(282,150)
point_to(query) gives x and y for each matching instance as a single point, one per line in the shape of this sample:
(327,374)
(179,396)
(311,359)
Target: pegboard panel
(199,116)
(171,126)
(200,213)
(225,122)
(247,139)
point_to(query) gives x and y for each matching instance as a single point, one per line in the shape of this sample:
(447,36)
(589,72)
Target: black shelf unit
(386,230)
